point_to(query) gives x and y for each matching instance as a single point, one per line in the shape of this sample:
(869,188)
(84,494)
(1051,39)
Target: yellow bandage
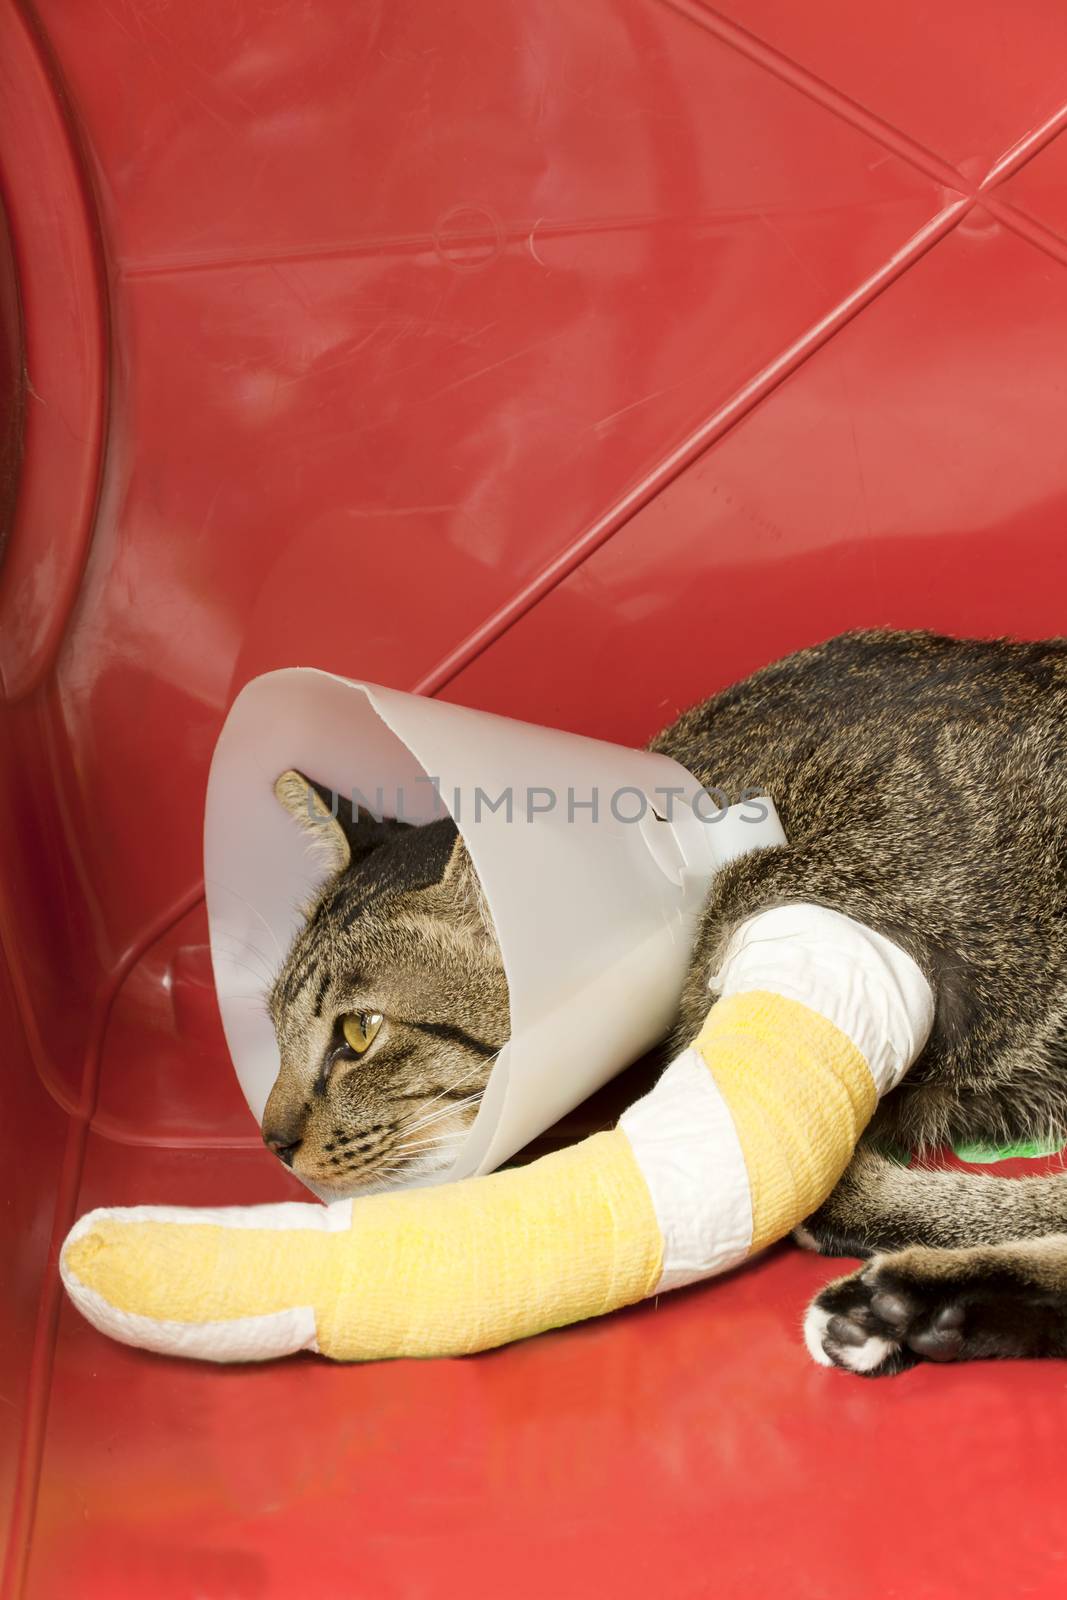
(743,1136)
(427,1272)
(434,1272)
(800,1094)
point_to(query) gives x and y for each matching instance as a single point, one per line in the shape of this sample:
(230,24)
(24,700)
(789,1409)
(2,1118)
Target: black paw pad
(875,1323)
(941,1337)
(894,1311)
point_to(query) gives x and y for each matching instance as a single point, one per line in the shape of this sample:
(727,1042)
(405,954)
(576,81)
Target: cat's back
(867,703)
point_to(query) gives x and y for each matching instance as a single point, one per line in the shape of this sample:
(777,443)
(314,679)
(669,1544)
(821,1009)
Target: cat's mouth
(382,1157)
(417,1170)
(344,1160)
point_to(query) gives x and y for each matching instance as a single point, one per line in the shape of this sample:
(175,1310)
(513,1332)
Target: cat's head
(391,1004)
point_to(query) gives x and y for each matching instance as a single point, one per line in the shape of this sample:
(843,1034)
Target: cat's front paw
(884,1318)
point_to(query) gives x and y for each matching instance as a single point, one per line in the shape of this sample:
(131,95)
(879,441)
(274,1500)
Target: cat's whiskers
(399,1162)
(380,1184)
(431,1144)
(455,1084)
(241,943)
(251,971)
(407,1129)
(255,912)
(264,974)
(450,1088)
(394,1169)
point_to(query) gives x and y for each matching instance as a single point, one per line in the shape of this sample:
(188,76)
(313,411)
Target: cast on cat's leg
(746,1131)
(997,1301)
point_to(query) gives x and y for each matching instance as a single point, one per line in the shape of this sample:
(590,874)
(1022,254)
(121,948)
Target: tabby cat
(922,785)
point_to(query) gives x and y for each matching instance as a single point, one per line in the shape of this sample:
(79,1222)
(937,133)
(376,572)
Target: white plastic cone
(595,913)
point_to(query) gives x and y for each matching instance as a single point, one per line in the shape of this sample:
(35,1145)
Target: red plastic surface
(565,360)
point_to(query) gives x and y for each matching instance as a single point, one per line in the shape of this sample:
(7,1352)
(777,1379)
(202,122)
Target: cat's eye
(360,1029)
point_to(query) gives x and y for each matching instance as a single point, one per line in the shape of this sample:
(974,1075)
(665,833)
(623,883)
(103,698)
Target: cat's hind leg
(879,1205)
(990,1301)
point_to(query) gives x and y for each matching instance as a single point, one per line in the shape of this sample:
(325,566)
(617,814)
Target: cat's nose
(284,1150)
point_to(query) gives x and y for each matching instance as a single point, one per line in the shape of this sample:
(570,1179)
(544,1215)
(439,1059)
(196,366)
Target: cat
(922,786)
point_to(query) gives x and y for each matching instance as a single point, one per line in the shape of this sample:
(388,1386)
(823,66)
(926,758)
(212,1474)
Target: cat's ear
(306,805)
(344,836)
(463,886)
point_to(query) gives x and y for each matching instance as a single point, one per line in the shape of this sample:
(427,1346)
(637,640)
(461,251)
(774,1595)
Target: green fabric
(984,1154)
(979,1154)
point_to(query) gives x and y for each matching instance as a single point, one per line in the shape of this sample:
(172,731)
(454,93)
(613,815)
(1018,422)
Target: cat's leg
(990,1301)
(878,1205)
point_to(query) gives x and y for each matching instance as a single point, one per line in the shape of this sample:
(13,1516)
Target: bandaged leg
(744,1135)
